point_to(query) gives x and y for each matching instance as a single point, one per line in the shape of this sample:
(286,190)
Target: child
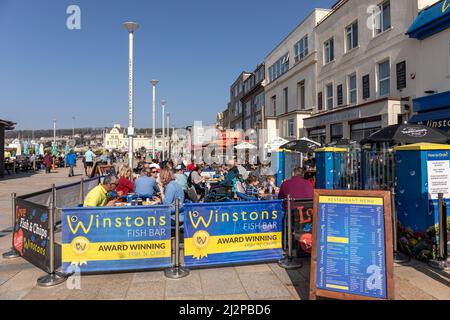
(269,185)
(252,187)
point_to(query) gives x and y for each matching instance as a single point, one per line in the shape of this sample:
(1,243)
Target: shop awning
(432,102)
(431,20)
(435,116)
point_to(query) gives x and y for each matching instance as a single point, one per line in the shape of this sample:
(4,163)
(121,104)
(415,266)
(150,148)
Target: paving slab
(220,282)
(153,290)
(187,287)
(263,285)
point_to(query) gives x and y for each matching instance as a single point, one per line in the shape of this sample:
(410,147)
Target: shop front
(433,111)
(355,123)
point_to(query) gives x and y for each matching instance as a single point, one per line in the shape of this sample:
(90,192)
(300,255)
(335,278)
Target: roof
(423,147)
(9,125)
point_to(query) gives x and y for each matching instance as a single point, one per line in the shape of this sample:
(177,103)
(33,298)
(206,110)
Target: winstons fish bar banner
(224,233)
(116,239)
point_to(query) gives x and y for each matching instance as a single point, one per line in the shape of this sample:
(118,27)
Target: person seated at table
(251,188)
(181,178)
(170,189)
(125,185)
(195,179)
(232,173)
(99,196)
(270,186)
(297,187)
(146,185)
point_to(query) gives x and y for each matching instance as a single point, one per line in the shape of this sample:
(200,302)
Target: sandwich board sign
(352,254)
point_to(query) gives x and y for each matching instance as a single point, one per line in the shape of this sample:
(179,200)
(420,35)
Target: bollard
(441,261)
(12,253)
(53,278)
(289,262)
(398,256)
(177,271)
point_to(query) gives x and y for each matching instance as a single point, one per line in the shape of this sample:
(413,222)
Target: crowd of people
(166,182)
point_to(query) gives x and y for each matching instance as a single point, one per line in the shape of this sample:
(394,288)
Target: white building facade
(117,138)
(291,70)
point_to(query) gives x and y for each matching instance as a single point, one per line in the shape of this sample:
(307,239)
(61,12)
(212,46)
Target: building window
(286,100)
(329,50)
(401,75)
(352,89)
(337,132)
(274,105)
(301,95)
(340,95)
(330,97)
(366,86)
(301,49)
(320,101)
(291,128)
(384,76)
(318,134)
(279,68)
(382,17)
(259,102)
(351,33)
(362,130)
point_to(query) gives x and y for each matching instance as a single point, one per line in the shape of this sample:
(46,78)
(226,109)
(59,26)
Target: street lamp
(54,131)
(73,128)
(168,134)
(154,83)
(163,104)
(131,28)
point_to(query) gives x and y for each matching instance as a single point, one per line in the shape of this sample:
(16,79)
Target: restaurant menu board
(350,246)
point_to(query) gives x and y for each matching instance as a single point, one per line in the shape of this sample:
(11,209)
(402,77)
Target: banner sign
(303,224)
(226,233)
(352,247)
(31,233)
(116,239)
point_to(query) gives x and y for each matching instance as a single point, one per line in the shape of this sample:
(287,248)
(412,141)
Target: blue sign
(351,246)
(226,233)
(116,239)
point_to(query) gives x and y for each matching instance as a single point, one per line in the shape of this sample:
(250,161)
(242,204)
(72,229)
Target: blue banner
(116,239)
(232,232)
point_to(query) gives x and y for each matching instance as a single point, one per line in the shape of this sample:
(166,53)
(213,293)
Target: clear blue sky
(196,48)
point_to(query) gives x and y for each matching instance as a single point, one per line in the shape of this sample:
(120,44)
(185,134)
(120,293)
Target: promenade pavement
(414,280)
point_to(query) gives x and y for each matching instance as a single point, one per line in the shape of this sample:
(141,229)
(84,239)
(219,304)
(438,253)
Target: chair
(192,194)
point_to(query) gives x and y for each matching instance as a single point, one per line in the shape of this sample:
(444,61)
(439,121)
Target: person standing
(48,162)
(71,159)
(297,187)
(89,158)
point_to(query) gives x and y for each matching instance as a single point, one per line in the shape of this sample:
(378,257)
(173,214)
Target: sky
(195,48)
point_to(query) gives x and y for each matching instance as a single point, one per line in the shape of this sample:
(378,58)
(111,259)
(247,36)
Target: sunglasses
(154,172)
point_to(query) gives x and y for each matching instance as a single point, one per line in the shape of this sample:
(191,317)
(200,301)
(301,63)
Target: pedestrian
(89,158)
(71,161)
(48,162)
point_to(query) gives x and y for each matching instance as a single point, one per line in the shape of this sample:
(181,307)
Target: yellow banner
(351,200)
(333,286)
(202,244)
(80,250)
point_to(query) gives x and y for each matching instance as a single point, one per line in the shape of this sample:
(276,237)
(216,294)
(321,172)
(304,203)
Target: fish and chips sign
(224,233)
(116,239)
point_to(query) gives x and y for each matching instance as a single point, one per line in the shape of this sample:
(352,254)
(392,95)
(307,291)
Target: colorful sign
(303,222)
(224,233)
(350,245)
(31,233)
(115,239)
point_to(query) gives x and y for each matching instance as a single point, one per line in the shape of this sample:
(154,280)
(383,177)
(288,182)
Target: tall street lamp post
(154,83)
(131,27)
(163,105)
(168,134)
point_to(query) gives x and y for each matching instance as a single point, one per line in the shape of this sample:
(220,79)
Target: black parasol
(300,146)
(407,134)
